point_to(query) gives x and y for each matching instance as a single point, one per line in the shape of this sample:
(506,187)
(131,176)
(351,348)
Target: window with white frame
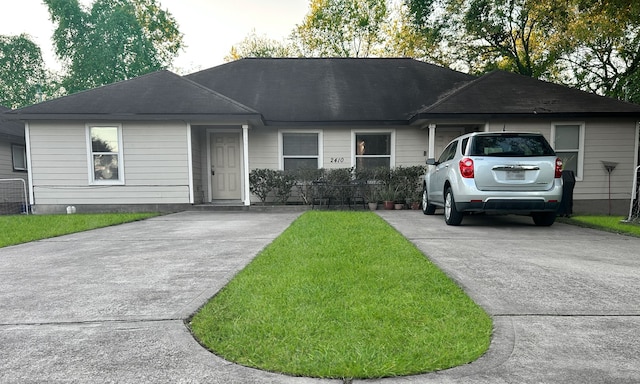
(105,154)
(19,157)
(300,150)
(373,149)
(568,140)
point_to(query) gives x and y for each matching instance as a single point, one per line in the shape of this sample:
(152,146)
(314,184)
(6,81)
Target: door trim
(241,155)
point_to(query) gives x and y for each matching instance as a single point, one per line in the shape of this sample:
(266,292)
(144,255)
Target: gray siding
(337,148)
(58,156)
(605,140)
(156,158)
(411,143)
(155,165)
(6,165)
(263,148)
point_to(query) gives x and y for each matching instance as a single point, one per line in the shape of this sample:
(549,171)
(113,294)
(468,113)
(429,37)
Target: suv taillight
(559,166)
(466,168)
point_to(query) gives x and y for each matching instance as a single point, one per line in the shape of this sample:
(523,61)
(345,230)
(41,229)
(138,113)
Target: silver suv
(504,172)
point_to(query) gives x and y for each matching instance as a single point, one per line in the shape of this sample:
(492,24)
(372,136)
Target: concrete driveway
(565,300)
(108,306)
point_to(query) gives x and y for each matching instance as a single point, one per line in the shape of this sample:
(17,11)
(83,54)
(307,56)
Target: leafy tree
(348,28)
(605,55)
(518,35)
(523,36)
(408,37)
(343,28)
(116,40)
(22,73)
(593,45)
(260,46)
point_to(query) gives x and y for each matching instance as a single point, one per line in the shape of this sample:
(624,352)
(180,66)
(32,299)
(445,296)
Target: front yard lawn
(343,295)
(19,229)
(606,223)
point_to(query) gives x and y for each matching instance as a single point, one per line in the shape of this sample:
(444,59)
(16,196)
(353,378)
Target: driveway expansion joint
(90,322)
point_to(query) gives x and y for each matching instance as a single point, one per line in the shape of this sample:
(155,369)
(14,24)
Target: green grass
(605,223)
(343,295)
(25,228)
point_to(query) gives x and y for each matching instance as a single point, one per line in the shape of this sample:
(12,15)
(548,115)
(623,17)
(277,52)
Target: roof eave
(335,123)
(11,138)
(191,117)
(536,115)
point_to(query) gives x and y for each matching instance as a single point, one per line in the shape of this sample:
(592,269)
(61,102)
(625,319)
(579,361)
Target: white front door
(226,168)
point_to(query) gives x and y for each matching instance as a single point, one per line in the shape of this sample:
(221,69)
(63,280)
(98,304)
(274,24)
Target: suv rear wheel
(543,219)
(451,214)
(427,209)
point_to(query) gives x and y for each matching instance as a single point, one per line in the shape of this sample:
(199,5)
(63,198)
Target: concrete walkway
(109,305)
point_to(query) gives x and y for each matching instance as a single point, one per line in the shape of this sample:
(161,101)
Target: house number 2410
(337,159)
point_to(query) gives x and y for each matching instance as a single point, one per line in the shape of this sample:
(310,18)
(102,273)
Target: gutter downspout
(636,155)
(27,141)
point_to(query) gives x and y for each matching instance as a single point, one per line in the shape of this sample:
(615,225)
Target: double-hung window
(568,142)
(105,154)
(300,150)
(19,157)
(373,149)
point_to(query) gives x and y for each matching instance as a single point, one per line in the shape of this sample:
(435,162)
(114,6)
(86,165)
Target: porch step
(254,208)
(218,208)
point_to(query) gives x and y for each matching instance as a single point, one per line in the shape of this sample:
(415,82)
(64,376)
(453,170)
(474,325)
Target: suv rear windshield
(507,145)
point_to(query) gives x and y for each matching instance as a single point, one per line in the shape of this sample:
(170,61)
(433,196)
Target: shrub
(304,183)
(283,184)
(339,180)
(408,181)
(262,182)
(400,184)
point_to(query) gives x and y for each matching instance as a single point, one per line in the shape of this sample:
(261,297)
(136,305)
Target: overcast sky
(210,27)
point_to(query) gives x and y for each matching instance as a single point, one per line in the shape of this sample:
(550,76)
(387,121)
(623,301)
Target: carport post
(245,154)
(432,141)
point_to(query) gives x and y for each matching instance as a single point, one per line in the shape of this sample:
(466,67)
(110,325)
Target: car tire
(427,209)
(544,219)
(451,214)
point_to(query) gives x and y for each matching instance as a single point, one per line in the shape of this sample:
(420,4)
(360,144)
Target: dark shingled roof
(10,130)
(506,93)
(308,91)
(332,89)
(155,96)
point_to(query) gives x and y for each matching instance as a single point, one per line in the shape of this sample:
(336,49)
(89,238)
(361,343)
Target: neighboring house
(13,164)
(13,154)
(162,141)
